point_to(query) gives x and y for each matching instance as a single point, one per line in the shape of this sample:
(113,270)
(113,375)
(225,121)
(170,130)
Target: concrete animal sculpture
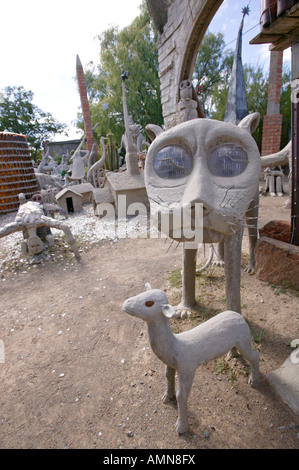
(189,105)
(216,164)
(49,208)
(138,137)
(274,181)
(78,165)
(184,352)
(47,164)
(93,174)
(186,90)
(29,218)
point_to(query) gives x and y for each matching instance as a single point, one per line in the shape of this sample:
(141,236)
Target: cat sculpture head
(213,163)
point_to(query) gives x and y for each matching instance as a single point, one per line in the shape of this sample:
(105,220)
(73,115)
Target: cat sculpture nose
(206,209)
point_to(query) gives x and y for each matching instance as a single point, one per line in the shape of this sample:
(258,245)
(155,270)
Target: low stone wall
(278,229)
(277,262)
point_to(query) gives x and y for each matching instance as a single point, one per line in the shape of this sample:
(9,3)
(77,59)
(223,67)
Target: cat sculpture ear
(153,131)
(250,122)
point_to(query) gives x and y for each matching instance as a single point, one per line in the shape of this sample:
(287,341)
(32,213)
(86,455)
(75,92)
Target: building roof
(65,191)
(82,188)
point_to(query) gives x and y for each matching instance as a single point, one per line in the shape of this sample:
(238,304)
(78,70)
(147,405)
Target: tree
(212,67)
(18,114)
(257,84)
(212,72)
(133,49)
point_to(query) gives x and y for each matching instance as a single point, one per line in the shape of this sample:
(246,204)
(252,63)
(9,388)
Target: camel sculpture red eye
(149,303)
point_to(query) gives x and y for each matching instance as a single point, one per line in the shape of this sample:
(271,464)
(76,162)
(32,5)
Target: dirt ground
(79,372)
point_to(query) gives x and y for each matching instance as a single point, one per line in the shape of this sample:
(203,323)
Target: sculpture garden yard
(80,373)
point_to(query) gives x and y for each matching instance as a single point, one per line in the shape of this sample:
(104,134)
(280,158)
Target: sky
(40,44)
(227,21)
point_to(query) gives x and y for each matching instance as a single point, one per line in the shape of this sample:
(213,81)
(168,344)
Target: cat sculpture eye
(173,162)
(227,160)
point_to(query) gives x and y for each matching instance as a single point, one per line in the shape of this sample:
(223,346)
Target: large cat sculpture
(214,164)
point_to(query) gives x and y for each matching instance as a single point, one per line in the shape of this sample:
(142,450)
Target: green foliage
(112,158)
(18,114)
(212,71)
(133,49)
(57,158)
(256,84)
(286,286)
(224,368)
(257,336)
(213,65)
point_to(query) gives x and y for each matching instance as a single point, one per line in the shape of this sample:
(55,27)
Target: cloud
(40,42)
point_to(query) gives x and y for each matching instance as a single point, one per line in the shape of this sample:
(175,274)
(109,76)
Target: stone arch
(196,36)
(181,29)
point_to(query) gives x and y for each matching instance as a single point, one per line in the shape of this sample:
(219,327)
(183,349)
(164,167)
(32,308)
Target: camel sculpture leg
(169,395)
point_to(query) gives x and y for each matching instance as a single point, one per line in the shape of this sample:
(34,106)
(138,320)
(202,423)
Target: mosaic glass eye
(227,160)
(173,162)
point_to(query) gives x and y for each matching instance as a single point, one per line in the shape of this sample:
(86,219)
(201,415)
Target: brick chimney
(84,105)
(273,119)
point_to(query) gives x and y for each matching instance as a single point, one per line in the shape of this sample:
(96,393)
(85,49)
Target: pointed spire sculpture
(236,106)
(131,150)
(158,13)
(84,105)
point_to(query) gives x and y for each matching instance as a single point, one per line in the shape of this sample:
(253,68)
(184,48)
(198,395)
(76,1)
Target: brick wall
(273,120)
(271,134)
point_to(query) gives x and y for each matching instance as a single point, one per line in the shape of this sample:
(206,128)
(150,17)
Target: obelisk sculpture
(89,140)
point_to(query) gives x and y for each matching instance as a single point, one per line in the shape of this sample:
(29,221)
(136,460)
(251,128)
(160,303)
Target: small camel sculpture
(185,351)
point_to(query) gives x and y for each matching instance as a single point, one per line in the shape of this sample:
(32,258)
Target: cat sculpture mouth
(201,224)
